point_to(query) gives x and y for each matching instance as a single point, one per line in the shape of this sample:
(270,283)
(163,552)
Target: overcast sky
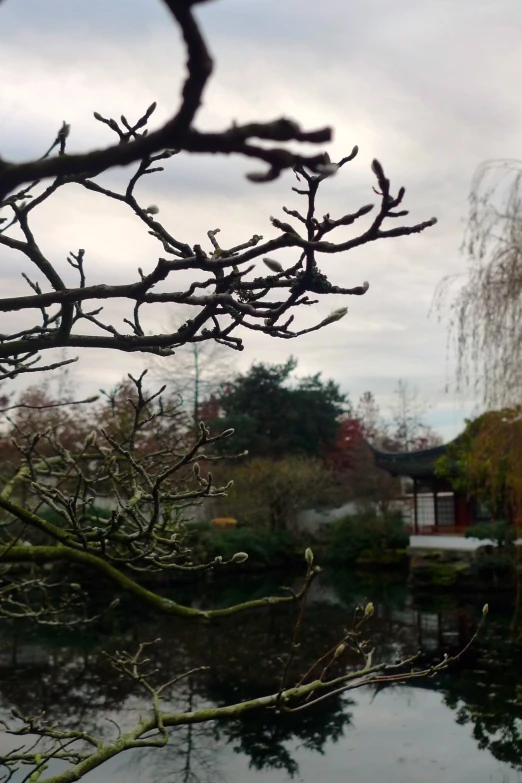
(430,89)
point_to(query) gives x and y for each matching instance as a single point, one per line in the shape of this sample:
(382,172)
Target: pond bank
(460,563)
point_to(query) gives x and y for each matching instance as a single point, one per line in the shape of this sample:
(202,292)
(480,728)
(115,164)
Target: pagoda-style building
(435,507)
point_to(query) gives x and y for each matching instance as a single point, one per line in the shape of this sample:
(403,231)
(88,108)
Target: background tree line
(299,441)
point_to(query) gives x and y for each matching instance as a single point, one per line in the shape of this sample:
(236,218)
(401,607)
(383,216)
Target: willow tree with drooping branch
(486,325)
(486,311)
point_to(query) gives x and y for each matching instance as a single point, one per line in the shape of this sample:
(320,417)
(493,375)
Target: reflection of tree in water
(485,687)
(264,738)
(487,694)
(73,685)
(256,654)
(69,677)
(192,753)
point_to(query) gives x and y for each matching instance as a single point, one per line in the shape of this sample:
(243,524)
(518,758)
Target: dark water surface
(464,726)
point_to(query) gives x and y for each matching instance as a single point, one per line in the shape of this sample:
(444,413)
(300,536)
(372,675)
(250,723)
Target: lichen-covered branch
(42,555)
(85,752)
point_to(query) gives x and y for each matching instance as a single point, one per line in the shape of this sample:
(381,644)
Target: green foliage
(486,462)
(430,571)
(353,535)
(199,525)
(500,532)
(264,549)
(452,466)
(268,493)
(273,419)
(497,567)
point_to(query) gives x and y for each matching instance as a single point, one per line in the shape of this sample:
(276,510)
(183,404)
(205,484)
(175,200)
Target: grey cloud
(431,90)
(75,19)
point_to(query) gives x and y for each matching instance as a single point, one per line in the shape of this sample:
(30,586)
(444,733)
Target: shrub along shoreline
(353,540)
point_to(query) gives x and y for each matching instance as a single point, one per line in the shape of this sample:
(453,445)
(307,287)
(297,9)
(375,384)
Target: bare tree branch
(85,752)
(228,300)
(133,450)
(178,132)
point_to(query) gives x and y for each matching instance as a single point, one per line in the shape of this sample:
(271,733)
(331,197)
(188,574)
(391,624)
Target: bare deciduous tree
(194,374)
(368,413)
(152,473)
(410,432)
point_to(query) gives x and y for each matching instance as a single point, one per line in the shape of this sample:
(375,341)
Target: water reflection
(475,709)
(487,695)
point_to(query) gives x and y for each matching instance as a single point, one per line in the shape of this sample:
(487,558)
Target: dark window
(445,510)
(425,511)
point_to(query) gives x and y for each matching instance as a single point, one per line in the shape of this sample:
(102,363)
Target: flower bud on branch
(274,266)
(336,315)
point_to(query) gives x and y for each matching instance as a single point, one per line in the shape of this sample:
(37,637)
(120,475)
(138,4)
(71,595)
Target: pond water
(464,726)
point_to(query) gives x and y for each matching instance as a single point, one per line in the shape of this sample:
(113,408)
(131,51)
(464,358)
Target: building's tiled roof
(413,464)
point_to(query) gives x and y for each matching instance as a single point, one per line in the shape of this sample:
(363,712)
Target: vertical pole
(415,513)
